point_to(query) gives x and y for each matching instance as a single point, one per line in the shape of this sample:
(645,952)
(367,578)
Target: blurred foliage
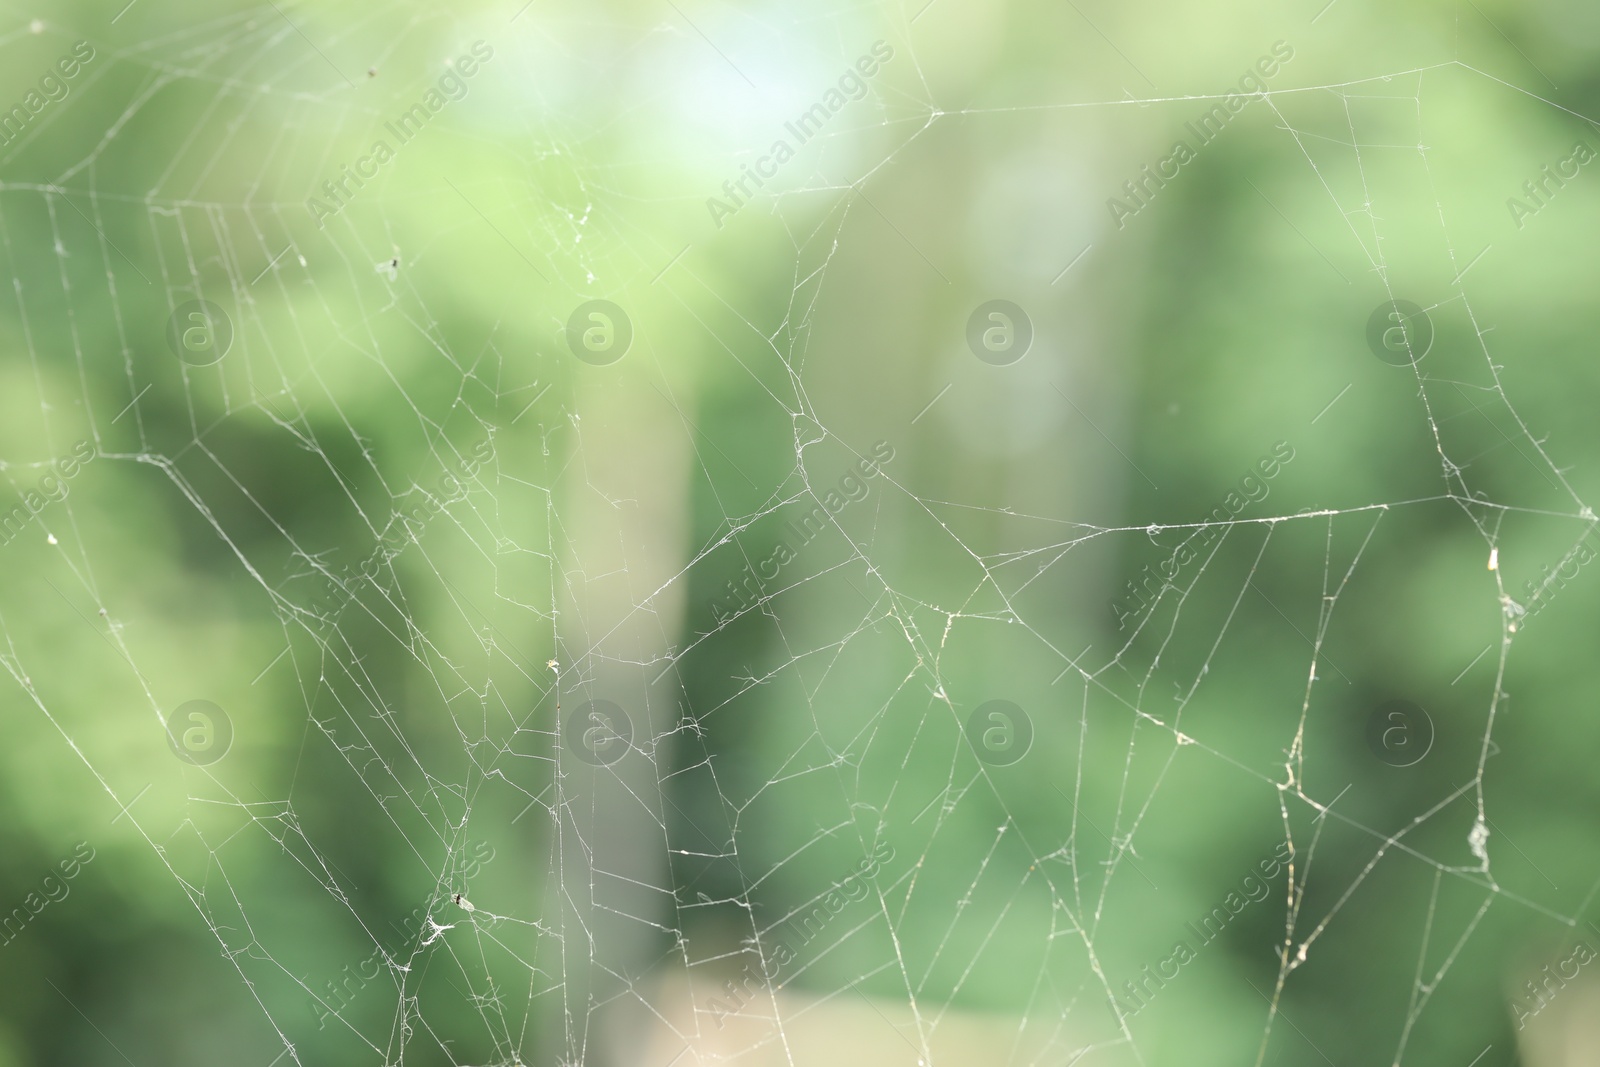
(400,393)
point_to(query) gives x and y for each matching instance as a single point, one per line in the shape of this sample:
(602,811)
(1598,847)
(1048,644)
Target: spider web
(417,553)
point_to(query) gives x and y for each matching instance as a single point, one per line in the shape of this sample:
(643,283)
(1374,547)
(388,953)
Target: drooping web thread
(476,572)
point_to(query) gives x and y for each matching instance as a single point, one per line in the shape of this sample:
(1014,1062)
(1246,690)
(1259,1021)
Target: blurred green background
(404,534)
